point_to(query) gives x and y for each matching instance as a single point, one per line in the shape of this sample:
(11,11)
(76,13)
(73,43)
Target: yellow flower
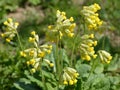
(70,34)
(10,20)
(32,61)
(16,24)
(60,34)
(8,40)
(10,29)
(2,35)
(72,25)
(87,57)
(91,49)
(49,27)
(75,81)
(48,62)
(63,27)
(71,19)
(89,44)
(87,47)
(28,63)
(76,74)
(91,17)
(95,55)
(69,76)
(41,54)
(33,70)
(71,82)
(95,43)
(5,23)
(23,54)
(63,13)
(31,53)
(33,33)
(51,64)
(50,46)
(31,39)
(65,82)
(91,35)
(97,6)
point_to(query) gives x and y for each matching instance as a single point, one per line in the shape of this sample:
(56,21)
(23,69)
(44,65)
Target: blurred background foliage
(38,14)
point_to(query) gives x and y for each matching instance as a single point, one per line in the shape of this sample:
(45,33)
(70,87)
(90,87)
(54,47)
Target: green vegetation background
(38,14)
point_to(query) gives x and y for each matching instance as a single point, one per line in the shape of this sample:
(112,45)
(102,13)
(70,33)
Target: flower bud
(104,56)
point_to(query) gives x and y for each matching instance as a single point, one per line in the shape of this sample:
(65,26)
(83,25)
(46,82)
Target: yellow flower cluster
(10,30)
(69,76)
(87,47)
(37,53)
(34,38)
(91,17)
(104,56)
(63,27)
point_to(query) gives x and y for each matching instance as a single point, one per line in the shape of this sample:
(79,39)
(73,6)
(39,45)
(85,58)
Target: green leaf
(114,64)
(48,74)
(83,69)
(97,82)
(34,2)
(49,86)
(101,84)
(18,86)
(99,69)
(33,79)
(114,80)
(64,56)
(26,81)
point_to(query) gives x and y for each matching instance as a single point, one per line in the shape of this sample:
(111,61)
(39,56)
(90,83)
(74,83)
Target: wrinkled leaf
(99,69)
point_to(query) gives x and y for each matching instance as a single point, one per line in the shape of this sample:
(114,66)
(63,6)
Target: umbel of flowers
(69,76)
(91,16)
(10,30)
(86,47)
(104,56)
(35,55)
(63,27)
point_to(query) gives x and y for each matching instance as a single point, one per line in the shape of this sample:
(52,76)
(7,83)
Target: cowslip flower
(35,55)
(63,27)
(91,16)
(86,47)
(10,29)
(69,76)
(48,62)
(105,57)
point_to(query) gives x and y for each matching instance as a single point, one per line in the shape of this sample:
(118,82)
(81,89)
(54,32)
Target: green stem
(58,57)
(92,69)
(84,26)
(57,62)
(61,59)
(72,61)
(82,84)
(19,40)
(43,80)
(43,77)
(73,49)
(103,43)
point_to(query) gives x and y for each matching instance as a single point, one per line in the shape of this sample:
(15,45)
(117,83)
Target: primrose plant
(65,74)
